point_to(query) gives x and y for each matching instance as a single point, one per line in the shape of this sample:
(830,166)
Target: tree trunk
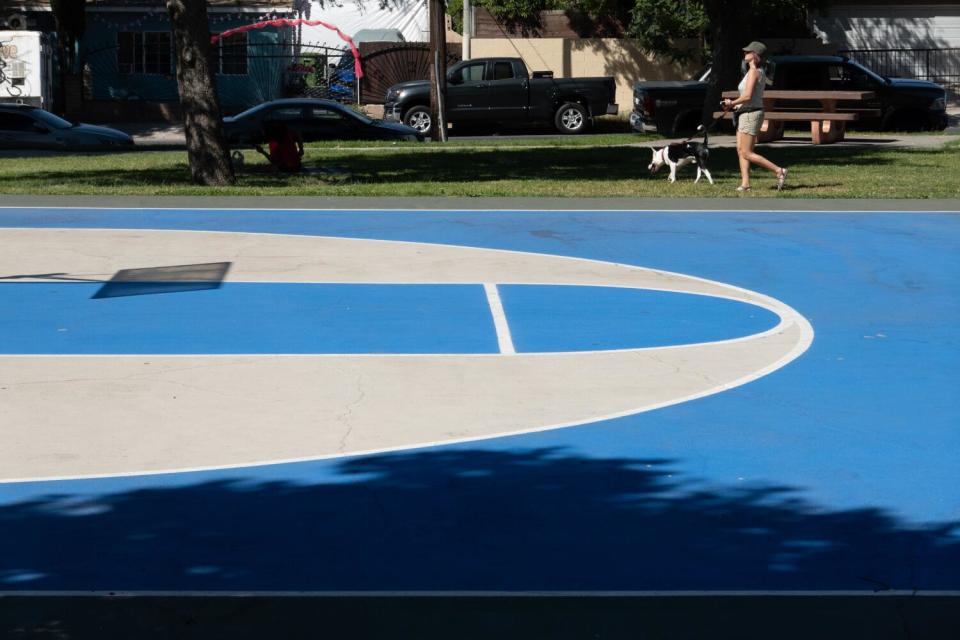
(206,147)
(438,50)
(729,34)
(70,19)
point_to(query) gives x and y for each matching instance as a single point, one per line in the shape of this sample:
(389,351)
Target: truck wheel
(571,118)
(906,120)
(419,118)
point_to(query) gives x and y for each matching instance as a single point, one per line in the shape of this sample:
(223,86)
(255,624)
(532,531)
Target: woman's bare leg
(742,145)
(747,153)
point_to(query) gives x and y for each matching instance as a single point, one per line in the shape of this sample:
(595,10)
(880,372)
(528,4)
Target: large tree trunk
(438,53)
(206,147)
(729,22)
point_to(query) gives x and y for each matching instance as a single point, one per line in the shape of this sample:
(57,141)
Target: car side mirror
(453,78)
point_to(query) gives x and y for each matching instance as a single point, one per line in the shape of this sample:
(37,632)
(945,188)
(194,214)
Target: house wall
(889,26)
(143,93)
(885,30)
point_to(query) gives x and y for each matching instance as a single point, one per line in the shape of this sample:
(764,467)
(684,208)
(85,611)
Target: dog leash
(707,130)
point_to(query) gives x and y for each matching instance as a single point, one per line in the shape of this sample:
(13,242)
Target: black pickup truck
(672,108)
(500,90)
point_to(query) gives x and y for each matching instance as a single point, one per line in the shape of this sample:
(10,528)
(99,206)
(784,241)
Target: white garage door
(890,26)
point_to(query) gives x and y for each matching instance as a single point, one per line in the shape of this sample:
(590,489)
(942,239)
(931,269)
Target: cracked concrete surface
(73,416)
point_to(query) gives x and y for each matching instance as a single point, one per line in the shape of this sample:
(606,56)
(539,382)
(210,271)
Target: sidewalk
(150,134)
(163,134)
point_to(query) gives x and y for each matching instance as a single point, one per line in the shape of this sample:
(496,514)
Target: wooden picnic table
(827,125)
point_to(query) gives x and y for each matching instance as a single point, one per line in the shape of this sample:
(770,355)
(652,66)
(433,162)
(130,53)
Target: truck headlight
(940,104)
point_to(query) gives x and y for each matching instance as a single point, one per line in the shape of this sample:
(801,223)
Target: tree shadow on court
(466,520)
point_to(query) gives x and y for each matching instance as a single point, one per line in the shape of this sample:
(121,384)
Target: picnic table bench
(827,125)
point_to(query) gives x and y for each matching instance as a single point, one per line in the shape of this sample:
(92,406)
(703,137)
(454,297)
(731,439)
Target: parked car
(28,127)
(315,120)
(500,90)
(669,108)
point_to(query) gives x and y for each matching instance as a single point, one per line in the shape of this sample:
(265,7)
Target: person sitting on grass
(285,145)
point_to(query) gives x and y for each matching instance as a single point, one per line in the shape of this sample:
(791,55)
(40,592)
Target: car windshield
(356,114)
(252,110)
(873,74)
(260,107)
(51,120)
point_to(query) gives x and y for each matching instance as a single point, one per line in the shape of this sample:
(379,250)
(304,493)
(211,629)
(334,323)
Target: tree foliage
(657,25)
(522,14)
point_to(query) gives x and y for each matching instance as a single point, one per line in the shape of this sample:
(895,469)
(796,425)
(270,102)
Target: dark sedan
(27,127)
(315,120)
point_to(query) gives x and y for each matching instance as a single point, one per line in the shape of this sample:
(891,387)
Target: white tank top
(756,100)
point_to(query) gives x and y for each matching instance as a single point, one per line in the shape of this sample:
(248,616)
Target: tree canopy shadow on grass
(584,165)
(469,519)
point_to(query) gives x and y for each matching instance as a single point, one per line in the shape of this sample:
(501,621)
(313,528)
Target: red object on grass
(284,153)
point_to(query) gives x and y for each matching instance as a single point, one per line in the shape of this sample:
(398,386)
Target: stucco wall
(569,57)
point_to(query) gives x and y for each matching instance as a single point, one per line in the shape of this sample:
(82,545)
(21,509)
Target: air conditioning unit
(17,71)
(16,22)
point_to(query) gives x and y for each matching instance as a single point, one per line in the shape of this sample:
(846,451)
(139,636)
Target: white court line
(787,314)
(504,339)
(519,594)
(227,209)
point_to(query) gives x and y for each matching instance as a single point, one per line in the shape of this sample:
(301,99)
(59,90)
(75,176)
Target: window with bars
(229,56)
(147,52)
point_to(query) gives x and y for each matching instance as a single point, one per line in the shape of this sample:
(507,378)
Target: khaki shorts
(750,122)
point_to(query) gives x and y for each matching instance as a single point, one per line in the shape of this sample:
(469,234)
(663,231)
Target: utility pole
(438,69)
(467,28)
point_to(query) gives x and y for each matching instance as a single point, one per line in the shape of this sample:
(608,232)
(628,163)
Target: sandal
(781,179)
(743,188)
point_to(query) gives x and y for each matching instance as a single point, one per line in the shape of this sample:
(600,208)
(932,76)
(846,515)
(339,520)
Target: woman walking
(748,116)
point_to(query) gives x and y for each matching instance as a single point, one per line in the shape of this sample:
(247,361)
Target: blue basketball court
(475,401)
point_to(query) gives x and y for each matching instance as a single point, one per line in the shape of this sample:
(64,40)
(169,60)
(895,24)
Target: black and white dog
(680,154)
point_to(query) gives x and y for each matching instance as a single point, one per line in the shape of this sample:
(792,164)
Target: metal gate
(387,63)
(314,71)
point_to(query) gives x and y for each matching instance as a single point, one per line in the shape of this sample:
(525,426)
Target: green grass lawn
(493,140)
(613,165)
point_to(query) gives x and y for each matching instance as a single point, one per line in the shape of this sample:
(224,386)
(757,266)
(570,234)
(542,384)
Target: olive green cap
(756,47)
